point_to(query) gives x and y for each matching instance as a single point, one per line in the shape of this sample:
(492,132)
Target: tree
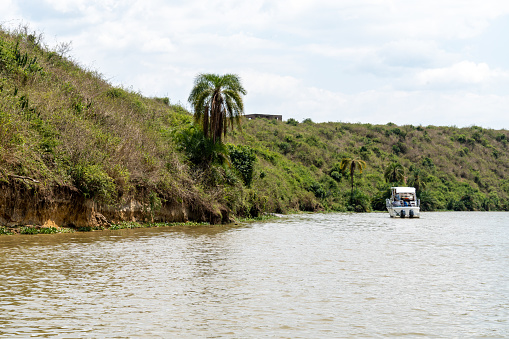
(352,165)
(417,181)
(217,103)
(394,173)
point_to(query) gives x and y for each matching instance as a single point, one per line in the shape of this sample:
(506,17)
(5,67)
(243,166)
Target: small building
(265,116)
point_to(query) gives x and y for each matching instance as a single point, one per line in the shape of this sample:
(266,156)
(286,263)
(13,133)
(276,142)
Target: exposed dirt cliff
(24,201)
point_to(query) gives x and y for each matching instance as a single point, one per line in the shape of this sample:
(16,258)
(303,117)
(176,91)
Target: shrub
(399,148)
(318,162)
(307,202)
(337,172)
(199,150)
(462,152)
(292,122)
(427,162)
(461,138)
(379,198)
(155,202)
(164,100)
(317,189)
(94,182)
(359,201)
(398,132)
(243,159)
(431,200)
(501,137)
(285,147)
(115,93)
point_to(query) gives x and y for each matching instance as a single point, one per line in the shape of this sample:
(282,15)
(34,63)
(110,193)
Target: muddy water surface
(304,276)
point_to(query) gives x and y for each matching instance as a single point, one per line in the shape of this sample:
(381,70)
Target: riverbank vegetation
(33,229)
(63,125)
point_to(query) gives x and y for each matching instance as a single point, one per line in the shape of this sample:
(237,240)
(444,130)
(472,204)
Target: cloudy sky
(433,62)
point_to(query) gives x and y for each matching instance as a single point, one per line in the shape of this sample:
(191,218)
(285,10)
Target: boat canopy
(403,189)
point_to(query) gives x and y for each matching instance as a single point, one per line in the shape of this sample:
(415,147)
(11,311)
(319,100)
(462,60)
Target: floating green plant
(36,230)
(5,231)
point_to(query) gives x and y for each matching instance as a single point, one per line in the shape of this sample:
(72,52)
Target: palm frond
(217,103)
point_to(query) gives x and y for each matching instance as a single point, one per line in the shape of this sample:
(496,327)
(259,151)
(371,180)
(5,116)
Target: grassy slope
(62,124)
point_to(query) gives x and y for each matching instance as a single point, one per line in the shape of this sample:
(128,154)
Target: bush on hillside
(243,158)
(201,151)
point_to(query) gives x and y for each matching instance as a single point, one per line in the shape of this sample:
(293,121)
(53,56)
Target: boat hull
(404,212)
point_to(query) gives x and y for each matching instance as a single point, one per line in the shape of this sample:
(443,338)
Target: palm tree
(217,103)
(417,181)
(395,172)
(352,165)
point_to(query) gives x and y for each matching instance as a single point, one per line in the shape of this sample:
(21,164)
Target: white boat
(403,203)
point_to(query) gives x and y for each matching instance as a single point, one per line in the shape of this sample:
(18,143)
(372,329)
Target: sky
(433,62)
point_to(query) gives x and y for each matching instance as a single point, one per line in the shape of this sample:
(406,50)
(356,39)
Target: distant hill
(76,151)
(456,168)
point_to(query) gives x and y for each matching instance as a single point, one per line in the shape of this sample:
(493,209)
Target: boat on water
(403,203)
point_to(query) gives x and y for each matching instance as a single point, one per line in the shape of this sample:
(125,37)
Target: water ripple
(303,276)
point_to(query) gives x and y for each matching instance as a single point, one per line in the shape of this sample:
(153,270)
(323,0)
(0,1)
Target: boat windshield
(406,196)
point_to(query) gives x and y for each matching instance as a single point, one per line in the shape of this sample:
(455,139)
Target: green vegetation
(300,165)
(352,165)
(34,230)
(243,159)
(132,224)
(217,102)
(124,225)
(394,173)
(64,126)
(38,230)
(5,231)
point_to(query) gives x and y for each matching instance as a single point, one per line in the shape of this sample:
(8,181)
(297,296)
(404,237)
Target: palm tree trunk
(206,122)
(351,175)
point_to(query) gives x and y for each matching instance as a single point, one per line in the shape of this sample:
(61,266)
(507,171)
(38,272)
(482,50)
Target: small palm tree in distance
(394,173)
(352,165)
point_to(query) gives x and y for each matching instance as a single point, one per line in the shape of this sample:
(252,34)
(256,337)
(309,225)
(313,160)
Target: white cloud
(91,6)
(434,19)
(332,51)
(351,60)
(413,53)
(462,73)
(292,98)
(9,12)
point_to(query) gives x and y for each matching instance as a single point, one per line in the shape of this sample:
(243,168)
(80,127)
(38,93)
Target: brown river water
(445,275)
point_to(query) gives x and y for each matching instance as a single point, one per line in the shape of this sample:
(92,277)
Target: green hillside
(454,168)
(64,126)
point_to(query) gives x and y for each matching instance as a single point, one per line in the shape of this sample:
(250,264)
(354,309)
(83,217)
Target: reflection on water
(305,276)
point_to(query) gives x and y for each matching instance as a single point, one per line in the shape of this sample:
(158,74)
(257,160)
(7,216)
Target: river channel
(445,275)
